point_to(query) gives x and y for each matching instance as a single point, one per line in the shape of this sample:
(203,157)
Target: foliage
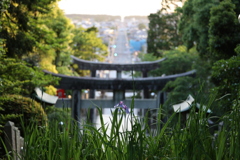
(52,51)
(147,57)
(224,31)
(18,78)
(17,25)
(162,33)
(180,61)
(46,62)
(86,45)
(16,108)
(51,90)
(19,109)
(3,7)
(198,86)
(61,28)
(170,5)
(194,24)
(212,27)
(59,116)
(5,117)
(177,61)
(237,50)
(208,24)
(226,75)
(38,33)
(141,26)
(237,4)
(1,47)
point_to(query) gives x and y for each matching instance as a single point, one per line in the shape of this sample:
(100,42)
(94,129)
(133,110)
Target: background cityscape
(135,26)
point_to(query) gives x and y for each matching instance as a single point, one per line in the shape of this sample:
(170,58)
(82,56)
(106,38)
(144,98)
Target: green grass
(111,142)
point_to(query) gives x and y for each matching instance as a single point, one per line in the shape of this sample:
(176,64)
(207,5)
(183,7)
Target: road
(122,52)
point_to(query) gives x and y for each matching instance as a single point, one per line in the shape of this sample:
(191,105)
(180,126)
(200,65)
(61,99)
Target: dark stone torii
(144,67)
(118,84)
(153,83)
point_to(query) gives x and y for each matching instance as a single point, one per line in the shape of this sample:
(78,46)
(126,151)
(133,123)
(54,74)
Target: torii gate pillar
(118,95)
(76,106)
(92,96)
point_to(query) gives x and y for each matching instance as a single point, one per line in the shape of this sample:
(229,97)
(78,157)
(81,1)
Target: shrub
(16,108)
(225,76)
(58,116)
(17,77)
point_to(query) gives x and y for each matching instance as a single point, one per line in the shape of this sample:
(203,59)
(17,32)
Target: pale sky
(110,7)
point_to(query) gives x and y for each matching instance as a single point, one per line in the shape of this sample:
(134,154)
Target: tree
(213,27)
(87,45)
(199,86)
(169,5)
(225,76)
(162,33)
(18,25)
(196,29)
(194,25)
(163,28)
(17,81)
(224,45)
(178,61)
(224,31)
(141,26)
(53,36)
(237,8)
(17,108)
(18,78)
(61,28)
(3,8)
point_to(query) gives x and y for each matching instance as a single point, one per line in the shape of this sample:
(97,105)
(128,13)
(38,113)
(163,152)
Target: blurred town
(135,28)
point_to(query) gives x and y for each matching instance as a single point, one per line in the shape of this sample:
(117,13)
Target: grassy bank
(194,139)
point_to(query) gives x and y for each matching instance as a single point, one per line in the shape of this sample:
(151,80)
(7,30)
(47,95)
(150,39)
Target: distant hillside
(100,18)
(136,17)
(97,18)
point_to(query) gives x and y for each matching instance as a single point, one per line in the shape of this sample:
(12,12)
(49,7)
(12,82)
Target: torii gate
(117,85)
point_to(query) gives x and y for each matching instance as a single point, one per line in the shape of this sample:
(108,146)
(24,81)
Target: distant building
(137,45)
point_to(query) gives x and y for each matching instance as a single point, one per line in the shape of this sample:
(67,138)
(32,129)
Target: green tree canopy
(61,39)
(162,33)
(224,31)
(142,26)
(18,25)
(194,24)
(226,75)
(87,45)
(179,61)
(18,78)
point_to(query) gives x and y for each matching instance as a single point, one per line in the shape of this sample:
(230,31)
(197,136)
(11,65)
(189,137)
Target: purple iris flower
(123,106)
